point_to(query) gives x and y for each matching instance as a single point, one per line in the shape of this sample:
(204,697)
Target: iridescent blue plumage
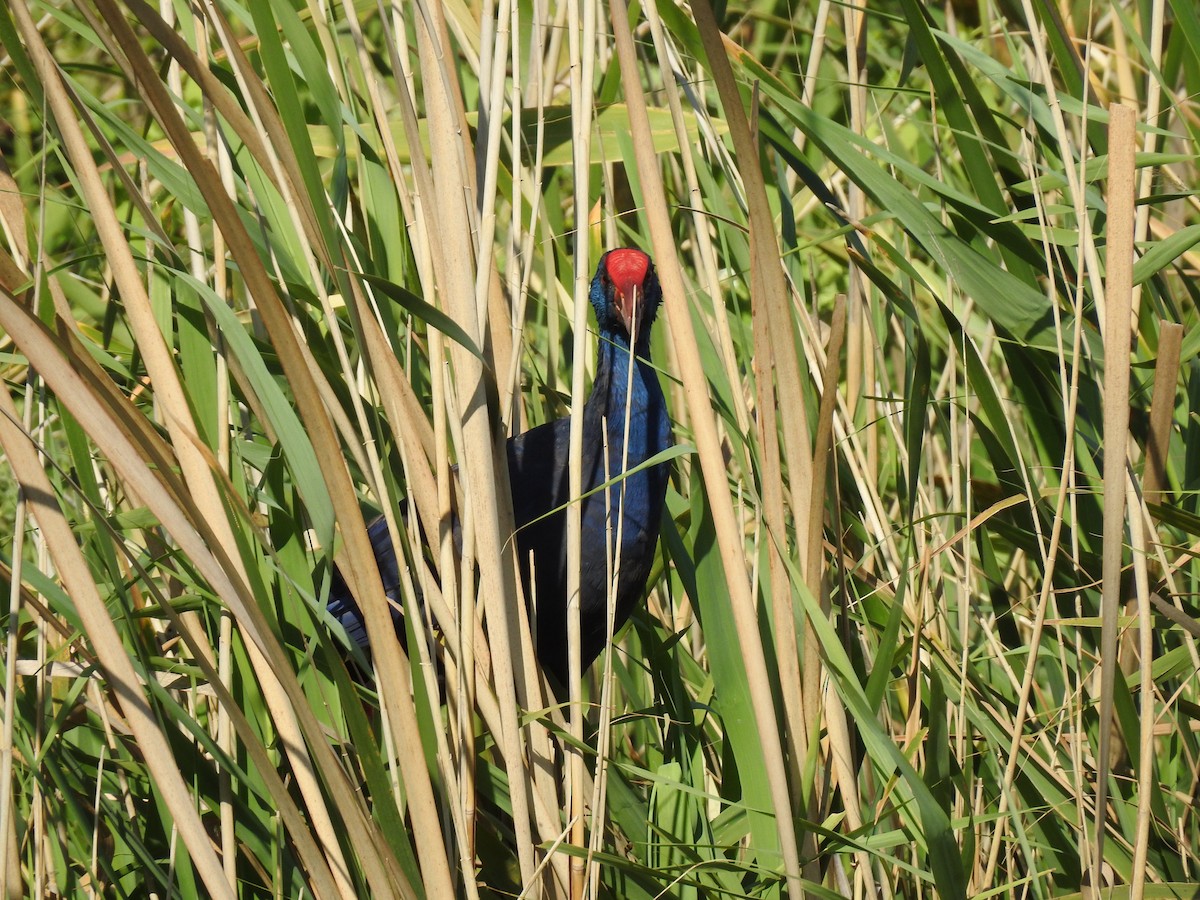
(625,295)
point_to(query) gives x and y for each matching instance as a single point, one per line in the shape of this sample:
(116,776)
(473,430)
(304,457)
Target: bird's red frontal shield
(628,268)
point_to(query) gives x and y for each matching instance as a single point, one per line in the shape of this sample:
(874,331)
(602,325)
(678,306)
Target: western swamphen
(625,295)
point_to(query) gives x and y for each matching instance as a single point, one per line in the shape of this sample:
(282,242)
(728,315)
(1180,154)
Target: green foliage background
(264,266)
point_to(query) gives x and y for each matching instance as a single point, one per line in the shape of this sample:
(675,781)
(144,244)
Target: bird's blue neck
(648,423)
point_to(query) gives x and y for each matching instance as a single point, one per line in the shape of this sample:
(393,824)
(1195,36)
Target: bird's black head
(625,294)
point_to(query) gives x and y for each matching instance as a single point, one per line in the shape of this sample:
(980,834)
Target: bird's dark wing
(537,470)
(537,466)
(341,604)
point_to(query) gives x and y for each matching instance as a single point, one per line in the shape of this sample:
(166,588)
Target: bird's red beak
(627,269)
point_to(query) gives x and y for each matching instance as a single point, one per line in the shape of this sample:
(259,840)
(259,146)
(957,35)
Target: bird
(625,424)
